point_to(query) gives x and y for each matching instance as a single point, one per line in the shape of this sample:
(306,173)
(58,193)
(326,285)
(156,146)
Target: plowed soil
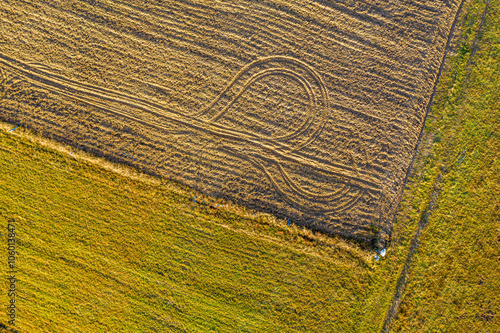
(310,110)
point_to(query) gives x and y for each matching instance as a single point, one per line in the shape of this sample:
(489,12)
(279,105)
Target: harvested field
(310,110)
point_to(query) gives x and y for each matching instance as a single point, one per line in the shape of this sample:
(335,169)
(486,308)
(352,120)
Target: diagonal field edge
(363,152)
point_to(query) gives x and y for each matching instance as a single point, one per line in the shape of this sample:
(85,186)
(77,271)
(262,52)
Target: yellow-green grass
(454,279)
(107,251)
(103,252)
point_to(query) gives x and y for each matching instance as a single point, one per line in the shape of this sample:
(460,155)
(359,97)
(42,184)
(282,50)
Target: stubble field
(309,110)
(102,247)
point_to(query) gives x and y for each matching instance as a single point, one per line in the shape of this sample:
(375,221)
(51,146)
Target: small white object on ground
(382,253)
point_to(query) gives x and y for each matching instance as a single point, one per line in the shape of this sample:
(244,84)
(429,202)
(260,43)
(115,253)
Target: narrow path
(424,218)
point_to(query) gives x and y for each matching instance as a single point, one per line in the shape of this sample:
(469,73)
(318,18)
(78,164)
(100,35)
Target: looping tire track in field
(316,109)
(310,81)
(434,195)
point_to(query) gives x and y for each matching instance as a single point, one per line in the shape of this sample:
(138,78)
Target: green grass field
(104,248)
(454,279)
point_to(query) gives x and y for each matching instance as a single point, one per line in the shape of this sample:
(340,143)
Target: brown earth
(310,110)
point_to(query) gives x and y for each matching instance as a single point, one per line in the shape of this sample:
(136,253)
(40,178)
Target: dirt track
(310,110)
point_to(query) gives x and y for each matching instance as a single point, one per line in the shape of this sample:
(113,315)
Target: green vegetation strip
(101,252)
